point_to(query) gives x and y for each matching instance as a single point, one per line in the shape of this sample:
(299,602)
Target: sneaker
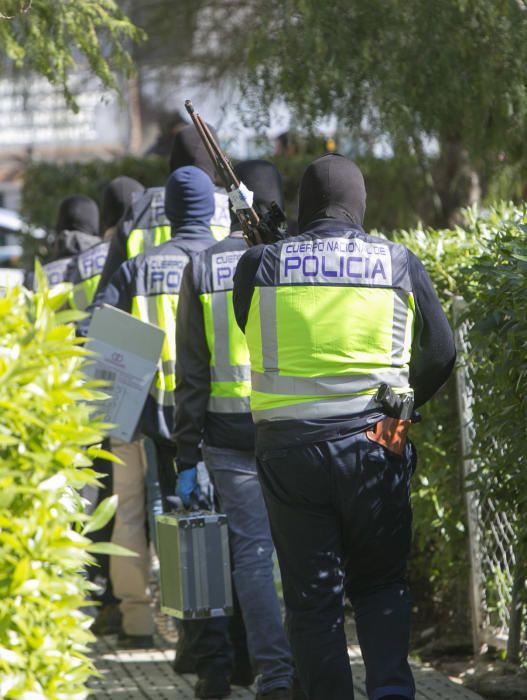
(213,686)
(276,694)
(108,620)
(134,641)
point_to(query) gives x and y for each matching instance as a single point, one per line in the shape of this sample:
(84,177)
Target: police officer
(85,268)
(329,316)
(77,230)
(84,273)
(147,286)
(212,398)
(147,225)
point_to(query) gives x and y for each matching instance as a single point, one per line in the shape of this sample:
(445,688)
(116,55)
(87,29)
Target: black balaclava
(188,149)
(78,213)
(332,187)
(116,198)
(264,180)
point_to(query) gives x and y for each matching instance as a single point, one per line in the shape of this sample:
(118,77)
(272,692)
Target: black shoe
(184,663)
(134,641)
(276,694)
(213,686)
(108,620)
(242,675)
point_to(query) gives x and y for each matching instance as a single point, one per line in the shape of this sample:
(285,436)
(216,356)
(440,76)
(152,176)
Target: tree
(449,73)
(51,38)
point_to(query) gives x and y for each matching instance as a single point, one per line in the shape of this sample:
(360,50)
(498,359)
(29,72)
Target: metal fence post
(464,402)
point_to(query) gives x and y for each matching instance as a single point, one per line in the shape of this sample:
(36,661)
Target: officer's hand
(187,488)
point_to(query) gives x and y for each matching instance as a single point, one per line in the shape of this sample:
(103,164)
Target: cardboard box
(194,565)
(128,351)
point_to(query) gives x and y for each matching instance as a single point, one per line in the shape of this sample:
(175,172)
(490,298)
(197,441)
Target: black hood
(188,149)
(78,213)
(332,187)
(264,180)
(117,197)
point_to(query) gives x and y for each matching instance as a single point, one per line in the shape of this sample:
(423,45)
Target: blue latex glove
(187,488)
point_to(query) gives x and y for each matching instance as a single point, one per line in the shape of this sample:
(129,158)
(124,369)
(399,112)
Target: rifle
(256,229)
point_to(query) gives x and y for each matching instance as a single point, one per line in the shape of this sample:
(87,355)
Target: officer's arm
(116,254)
(244,283)
(433,349)
(192,373)
(118,290)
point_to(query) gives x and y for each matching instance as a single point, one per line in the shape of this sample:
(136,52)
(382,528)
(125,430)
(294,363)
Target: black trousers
(341,523)
(100,571)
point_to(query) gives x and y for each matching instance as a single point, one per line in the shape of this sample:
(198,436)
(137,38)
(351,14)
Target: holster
(391,433)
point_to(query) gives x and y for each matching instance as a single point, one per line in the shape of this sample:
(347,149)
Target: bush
(47,184)
(485,262)
(439,565)
(45,431)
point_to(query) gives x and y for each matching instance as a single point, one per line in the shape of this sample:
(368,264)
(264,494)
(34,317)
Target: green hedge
(485,263)
(397,192)
(45,433)
(47,183)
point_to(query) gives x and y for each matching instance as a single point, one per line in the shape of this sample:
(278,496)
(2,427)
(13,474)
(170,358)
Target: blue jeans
(238,489)
(341,521)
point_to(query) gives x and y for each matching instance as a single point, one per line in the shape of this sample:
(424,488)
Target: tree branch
(23,11)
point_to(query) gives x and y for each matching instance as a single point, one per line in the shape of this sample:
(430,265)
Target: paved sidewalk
(145,674)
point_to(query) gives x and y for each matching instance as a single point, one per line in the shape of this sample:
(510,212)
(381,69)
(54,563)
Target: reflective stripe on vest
(321,351)
(83,292)
(88,268)
(141,239)
(230,371)
(160,310)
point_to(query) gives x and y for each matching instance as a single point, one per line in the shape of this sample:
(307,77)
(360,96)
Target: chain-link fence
(496,608)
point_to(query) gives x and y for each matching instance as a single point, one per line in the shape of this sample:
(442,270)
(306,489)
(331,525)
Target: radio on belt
(194,561)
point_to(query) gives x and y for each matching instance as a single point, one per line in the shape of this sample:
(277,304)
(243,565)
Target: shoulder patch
(223,268)
(91,262)
(164,273)
(56,271)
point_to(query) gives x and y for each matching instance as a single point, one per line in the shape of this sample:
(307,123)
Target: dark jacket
(194,421)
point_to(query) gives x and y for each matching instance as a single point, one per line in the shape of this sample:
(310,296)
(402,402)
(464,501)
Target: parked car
(13,231)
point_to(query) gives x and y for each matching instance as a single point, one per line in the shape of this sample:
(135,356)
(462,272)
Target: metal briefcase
(195,568)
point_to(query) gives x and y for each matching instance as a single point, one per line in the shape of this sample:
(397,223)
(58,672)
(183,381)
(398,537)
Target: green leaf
(104,454)
(102,514)
(112,549)
(69,316)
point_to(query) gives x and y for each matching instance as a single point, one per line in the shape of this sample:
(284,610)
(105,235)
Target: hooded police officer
(85,268)
(147,286)
(77,230)
(146,223)
(212,397)
(330,316)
